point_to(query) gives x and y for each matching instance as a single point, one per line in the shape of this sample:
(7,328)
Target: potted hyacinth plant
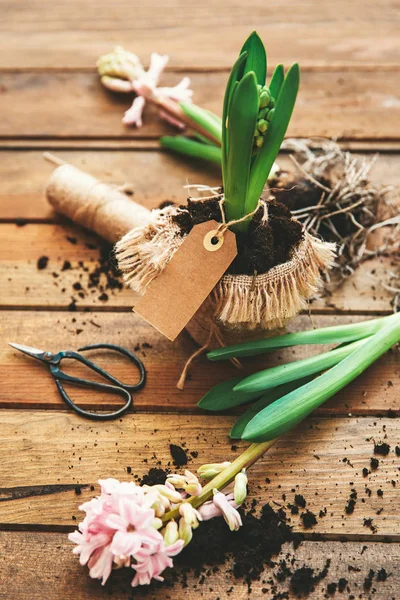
(278,265)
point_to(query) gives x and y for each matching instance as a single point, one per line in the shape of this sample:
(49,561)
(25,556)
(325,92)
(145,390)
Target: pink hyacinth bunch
(125,525)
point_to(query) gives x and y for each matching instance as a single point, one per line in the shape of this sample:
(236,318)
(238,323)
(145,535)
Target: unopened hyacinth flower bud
(240,489)
(262,125)
(176,480)
(192,484)
(190,514)
(120,64)
(171,533)
(167,492)
(265,98)
(185,531)
(157,523)
(211,470)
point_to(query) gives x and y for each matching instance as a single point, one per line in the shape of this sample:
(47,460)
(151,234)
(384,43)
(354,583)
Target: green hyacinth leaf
(257,57)
(242,119)
(188,147)
(276,82)
(222,396)
(203,118)
(234,76)
(265,400)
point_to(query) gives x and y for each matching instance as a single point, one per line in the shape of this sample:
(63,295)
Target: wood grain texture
(28,286)
(360,105)
(45,34)
(43,564)
(59,448)
(155,176)
(29,385)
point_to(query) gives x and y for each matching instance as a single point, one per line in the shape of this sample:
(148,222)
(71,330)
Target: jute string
(214,330)
(103,208)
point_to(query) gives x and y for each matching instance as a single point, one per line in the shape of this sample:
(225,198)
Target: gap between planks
(322,459)
(55,573)
(375,392)
(88,110)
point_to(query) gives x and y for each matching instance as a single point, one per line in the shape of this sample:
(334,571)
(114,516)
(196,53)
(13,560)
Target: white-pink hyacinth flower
(150,565)
(208,510)
(229,512)
(120,527)
(133,528)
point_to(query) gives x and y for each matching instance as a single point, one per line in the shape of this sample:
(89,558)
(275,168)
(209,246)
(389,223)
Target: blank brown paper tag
(174,296)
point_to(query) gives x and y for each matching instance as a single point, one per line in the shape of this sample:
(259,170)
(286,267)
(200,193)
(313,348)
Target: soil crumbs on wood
(262,551)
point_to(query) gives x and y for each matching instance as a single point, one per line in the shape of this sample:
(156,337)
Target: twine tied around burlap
(239,304)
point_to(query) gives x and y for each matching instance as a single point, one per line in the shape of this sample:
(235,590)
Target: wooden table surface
(51,98)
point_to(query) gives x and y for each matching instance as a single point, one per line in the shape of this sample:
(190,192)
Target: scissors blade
(34,352)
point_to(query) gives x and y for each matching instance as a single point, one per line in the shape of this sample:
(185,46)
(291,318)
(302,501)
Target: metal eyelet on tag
(213,240)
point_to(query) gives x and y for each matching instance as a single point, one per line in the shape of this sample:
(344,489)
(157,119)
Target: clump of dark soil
(42,262)
(382,448)
(155,476)
(268,242)
(251,548)
(309,519)
(304,579)
(179,455)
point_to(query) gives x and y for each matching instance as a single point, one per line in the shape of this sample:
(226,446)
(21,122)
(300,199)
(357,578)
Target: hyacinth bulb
(121,64)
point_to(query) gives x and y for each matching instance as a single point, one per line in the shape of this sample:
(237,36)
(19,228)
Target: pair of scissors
(54,360)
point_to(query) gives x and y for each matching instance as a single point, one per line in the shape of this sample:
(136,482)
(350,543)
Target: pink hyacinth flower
(133,528)
(229,512)
(150,566)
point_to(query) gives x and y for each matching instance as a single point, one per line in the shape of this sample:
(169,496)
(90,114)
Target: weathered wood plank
(344,104)
(198,34)
(41,565)
(28,286)
(322,459)
(30,386)
(155,176)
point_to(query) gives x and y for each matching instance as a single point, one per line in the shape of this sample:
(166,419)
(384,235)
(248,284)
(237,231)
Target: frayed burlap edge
(145,251)
(264,301)
(271,299)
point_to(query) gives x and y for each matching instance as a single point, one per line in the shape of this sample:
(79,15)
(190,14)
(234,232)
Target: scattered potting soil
(255,553)
(309,519)
(42,262)
(179,455)
(304,580)
(93,277)
(382,448)
(268,242)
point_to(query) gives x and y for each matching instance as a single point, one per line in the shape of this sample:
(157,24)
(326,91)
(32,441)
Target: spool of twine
(97,206)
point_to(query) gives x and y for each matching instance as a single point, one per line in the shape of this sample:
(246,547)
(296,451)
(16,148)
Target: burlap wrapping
(239,304)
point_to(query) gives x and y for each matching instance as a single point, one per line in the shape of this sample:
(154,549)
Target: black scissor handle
(135,359)
(60,376)
(117,388)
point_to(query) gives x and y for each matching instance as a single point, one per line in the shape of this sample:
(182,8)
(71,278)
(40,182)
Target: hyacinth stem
(172,107)
(251,455)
